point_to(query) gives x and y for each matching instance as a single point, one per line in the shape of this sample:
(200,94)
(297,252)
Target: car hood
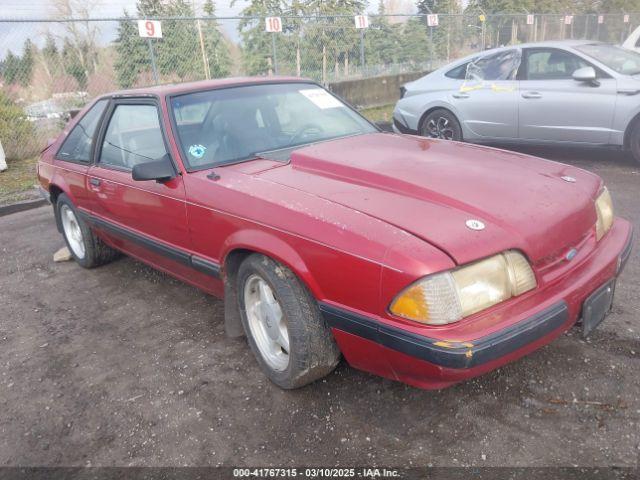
(431,188)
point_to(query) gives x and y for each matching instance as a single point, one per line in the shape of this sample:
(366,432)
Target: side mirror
(159,170)
(586,74)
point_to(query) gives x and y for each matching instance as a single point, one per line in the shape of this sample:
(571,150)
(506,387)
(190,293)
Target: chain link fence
(50,67)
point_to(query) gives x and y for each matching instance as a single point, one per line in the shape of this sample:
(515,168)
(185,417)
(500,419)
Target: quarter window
(77,146)
(133,137)
(552,65)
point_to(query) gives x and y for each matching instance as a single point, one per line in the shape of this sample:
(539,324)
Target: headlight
(450,296)
(604,210)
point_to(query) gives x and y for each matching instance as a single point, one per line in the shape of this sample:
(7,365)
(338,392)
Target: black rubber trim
(449,354)
(205,266)
(197,263)
(626,252)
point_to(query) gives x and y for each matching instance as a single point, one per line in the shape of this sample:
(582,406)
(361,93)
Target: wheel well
(54,193)
(627,134)
(233,260)
(433,109)
(232,322)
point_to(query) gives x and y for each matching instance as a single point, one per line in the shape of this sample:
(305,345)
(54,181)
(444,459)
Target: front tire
(282,321)
(442,124)
(85,247)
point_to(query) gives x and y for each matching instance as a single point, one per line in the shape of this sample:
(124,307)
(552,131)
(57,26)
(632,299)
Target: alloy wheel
(266,322)
(440,127)
(72,231)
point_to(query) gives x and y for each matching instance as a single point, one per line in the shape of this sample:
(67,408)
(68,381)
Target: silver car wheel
(439,127)
(266,322)
(72,231)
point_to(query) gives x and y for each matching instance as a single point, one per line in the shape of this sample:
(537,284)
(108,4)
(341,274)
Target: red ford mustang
(423,261)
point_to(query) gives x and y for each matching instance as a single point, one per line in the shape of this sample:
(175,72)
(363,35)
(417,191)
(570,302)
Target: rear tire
(284,327)
(85,246)
(442,124)
(634,141)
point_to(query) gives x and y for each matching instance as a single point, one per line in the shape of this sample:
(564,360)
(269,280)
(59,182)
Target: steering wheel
(307,127)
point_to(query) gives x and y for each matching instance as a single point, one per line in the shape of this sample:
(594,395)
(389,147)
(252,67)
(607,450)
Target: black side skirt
(193,261)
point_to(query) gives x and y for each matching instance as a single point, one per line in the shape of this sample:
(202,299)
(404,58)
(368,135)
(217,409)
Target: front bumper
(393,352)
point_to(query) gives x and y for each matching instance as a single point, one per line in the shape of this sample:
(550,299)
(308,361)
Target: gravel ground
(122,365)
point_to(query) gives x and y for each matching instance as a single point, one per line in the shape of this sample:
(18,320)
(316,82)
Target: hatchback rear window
(77,146)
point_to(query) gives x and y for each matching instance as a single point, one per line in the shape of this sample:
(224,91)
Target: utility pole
(205,60)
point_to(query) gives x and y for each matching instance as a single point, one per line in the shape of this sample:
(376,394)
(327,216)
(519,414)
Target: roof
(177,88)
(547,43)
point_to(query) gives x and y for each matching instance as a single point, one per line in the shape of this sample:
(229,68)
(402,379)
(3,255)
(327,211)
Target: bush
(16,132)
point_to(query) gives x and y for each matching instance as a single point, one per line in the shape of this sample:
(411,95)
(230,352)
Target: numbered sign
(432,20)
(150,28)
(626,19)
(273,24)
(362,21)
(482,18)
(530,19)
(568,19)
(600,19)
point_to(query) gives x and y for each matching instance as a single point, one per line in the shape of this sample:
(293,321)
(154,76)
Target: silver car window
(502,65)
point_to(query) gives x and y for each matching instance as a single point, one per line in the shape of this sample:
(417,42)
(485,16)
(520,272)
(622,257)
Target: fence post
(431,48)
(275,53)
(362,50)
(153,61)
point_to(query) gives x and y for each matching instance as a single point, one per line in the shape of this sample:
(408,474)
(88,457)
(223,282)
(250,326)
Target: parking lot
(122,365)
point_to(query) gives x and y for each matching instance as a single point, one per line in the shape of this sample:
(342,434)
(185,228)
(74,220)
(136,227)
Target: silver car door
(555,107)
(487,101)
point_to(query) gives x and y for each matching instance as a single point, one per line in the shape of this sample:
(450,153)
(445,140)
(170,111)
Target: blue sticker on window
(197,151)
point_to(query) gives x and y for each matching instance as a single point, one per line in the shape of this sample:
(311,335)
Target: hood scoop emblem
(474,224)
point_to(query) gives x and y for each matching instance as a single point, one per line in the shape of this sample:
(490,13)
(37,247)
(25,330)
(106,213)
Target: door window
(133,137)
(502,65)
(552,64)
(77,146)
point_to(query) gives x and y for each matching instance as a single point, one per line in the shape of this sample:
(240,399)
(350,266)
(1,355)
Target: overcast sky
(99,8)
(13,35)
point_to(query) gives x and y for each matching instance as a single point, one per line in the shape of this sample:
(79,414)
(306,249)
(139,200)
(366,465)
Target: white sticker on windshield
(321,98)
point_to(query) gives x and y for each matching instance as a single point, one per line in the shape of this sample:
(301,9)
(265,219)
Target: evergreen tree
(73,64)
(383,41)
(51,56)
(11,68)
(26,63)
(257,51)
(178,52)
(132,53)
(335,40)
(215,45)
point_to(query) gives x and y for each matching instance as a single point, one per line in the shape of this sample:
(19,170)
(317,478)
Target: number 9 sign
(149,28)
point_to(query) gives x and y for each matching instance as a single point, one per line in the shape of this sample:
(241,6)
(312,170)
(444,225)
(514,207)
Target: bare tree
(81,34)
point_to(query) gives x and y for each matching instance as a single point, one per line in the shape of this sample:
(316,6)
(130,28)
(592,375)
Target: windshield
(233,124)
(622,61)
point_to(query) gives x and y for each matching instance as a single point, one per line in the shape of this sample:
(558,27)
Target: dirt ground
(123,366)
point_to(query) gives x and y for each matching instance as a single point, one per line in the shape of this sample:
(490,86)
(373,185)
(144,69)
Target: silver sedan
(568,92)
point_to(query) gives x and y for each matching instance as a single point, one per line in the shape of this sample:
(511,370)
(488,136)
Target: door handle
(95,182)
(460,95)
(531,95)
